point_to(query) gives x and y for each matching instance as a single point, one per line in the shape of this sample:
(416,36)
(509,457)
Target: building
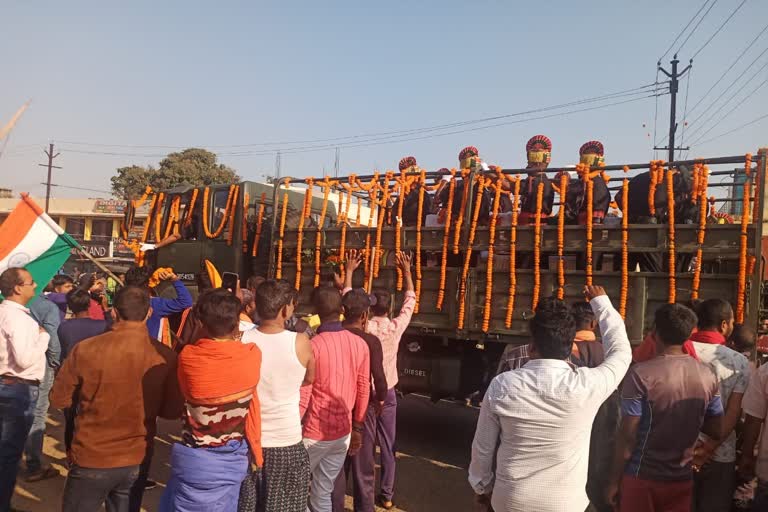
(95,223)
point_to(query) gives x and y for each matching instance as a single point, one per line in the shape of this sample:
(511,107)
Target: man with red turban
(539,150)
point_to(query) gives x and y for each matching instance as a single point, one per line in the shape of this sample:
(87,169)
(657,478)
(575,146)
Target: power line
(628,92)
(750,123)
(720,28)
(697,26)
(719,109)
(725,73)
(79,188)
(683,32)
(732,110)
(734,82)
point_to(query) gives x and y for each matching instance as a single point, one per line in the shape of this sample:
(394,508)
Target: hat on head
(356,302)
(539,149)
(406,162)
(468,152)
(591,153)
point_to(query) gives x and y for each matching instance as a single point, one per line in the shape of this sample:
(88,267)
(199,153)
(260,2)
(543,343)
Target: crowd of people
(276,416)
(671,426)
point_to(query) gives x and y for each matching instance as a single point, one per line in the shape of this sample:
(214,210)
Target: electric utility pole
(50,166)
(674,82)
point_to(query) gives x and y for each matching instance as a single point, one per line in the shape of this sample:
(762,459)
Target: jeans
(17,410)
(33,450)
(120,489)
(326,459)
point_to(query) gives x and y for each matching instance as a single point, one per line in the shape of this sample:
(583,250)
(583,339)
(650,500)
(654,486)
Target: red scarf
(711,337)
(647,349)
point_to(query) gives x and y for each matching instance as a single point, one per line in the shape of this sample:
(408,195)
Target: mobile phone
(229,281)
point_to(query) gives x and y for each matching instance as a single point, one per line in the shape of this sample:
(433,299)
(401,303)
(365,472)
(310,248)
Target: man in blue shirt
(162,307)
(48,315)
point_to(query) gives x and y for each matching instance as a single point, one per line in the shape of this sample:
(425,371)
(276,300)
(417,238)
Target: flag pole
(99,264)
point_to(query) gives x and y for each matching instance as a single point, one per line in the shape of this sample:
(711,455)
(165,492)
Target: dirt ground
(433,450)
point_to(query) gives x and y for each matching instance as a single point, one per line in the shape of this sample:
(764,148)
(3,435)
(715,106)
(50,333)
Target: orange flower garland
(468,252)
(491,241)
(420,212)
(562,191)
(624,245)
(344,217)
(398,226)
(372,195)
(138,203)
(259,224)
(590,224)
(359,210)
(460,221)
(191,208)
(380,224)
(244,227)
(512,257)
(446,237)
(158,217)
(173,218)
(671,223)
(318,235)
(225,215)
(232,211)
(283,216)
(656,175)
(742,280)
(537,247)
(701,191)
(305,210)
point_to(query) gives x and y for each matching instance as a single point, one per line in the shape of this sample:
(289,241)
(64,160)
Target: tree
(197,167)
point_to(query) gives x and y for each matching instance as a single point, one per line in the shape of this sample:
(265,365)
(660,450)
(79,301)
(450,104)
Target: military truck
(438,355)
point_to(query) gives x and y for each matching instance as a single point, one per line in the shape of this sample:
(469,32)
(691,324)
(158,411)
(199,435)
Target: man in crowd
(74,330)
(714,483)
(45,313)
(62,284)
(287,364)
(116,410)
(357,304)
(536,421)
(22,367)
(755,404)
(161,308)
(381,428)
(539,150)
(666,401)
(247,311)
(336,401)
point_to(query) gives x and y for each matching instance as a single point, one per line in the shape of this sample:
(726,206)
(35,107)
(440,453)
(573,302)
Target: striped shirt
(342,386)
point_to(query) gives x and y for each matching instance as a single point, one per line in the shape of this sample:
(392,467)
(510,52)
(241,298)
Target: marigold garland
(259,224)
(372,196)
(140,261)
(305,209)
(191,208)
(382,208)
(344,217)
(401,188)
(742,280)
(512,256)
(624,245)
(244,226)
(702,172)
(468,252)
(537,247)
(420,212)
(590,225)
(563,192)
(232,212)
(491,241)
(225,215)
(359,210)
(656,175)
(283,216)
(173,218)
(158,217)
(318,235)
(446,237)
(462,210)
(671,224)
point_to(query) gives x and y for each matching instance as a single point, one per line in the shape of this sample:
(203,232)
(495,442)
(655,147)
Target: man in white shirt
(541,415)
(23,344)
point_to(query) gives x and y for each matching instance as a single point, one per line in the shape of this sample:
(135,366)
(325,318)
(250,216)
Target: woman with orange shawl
(218,376)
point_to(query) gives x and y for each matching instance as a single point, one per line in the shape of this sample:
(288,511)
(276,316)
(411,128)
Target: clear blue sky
(208,74)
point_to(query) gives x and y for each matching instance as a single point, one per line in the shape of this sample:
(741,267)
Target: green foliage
(194,166)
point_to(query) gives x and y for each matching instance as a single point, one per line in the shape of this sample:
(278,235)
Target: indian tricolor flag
(30,238)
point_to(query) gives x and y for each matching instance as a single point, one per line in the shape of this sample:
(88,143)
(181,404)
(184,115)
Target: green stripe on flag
(48,264)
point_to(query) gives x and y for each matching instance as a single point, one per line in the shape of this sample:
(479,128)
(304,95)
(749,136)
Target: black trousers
(713,487)
(120,489)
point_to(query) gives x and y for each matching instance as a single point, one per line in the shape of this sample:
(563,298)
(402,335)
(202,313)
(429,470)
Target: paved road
(433,454)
